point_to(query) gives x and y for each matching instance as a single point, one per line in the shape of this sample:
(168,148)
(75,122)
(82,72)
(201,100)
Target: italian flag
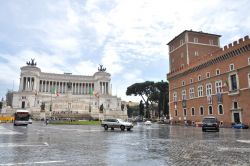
(90,92)
(53,91)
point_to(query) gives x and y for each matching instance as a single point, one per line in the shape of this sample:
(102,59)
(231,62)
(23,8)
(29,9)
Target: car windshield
(209,120)
(22,116)
(120,120)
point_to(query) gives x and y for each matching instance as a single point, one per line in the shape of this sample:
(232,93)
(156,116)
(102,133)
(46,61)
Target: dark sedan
(210,123)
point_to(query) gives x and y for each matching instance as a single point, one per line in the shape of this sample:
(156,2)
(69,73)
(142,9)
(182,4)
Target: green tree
(151,93)
(144,89)
(163,88)
(1,105)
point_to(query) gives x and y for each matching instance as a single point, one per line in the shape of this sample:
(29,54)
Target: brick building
(206,79)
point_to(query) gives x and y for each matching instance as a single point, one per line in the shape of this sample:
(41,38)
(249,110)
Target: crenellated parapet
(232,49)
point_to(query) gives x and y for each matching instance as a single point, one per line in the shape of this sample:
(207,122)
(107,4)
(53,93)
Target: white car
(148,123)
(30,121)
(116,123)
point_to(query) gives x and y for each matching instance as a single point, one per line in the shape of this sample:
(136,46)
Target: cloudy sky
(127,36)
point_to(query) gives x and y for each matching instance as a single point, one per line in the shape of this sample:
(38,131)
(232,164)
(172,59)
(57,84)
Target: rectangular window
(183,83)
(217,71)
(209,89)
(211,42)
(200,91)
(196,53)
(235,105)
(184,97)
(248,79)
(185,112)
(208,75)
(175,96)
(233,81)
(196,40)
(218,86)
(191,93)
(231,67)
(199,77)
(176,112)
(181,42)
(191,80)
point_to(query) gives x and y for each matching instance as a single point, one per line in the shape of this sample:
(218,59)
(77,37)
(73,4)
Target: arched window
(210,110)
(185,112)
(201,110)
(192,111)
(220,109)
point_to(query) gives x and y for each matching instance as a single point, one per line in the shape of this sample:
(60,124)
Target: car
(210,123)
(116,123)
(148,123)
(240,126)
(30,121)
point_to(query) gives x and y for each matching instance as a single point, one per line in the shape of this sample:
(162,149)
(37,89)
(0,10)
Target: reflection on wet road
(38,144)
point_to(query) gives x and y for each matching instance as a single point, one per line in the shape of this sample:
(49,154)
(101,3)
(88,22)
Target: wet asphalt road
(158,145)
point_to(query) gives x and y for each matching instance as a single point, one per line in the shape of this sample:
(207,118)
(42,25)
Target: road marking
(244,141)
(78,130)
(4,131)
(3,145)
(234,149)
(37,162)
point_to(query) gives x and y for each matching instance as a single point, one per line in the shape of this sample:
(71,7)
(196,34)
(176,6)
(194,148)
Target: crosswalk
(5,131)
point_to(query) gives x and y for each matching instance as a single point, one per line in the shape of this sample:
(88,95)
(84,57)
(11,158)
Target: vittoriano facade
(74,95)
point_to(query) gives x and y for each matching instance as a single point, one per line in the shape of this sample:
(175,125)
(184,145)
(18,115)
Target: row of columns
(104,88)
(28,83)
(62,87)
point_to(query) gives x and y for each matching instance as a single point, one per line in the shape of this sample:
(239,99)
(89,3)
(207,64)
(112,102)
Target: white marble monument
(56,94)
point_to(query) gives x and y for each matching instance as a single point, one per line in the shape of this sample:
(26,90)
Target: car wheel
(128,129)
(122,128)
(106,127)
(112,128)
(203,130)
(218,130)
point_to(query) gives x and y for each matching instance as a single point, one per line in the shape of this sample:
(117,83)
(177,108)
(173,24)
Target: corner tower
(189,46)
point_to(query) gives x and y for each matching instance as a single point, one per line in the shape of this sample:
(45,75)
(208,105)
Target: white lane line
(244,141)
(234,149)
(4,145)
(37,162)
(78,130)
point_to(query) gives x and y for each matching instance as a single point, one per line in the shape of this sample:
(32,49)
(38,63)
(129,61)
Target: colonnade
(28,83)
(62,87)
(104,87)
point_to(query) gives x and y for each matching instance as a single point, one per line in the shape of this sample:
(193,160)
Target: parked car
(116,123)
(210,123)
(240,126)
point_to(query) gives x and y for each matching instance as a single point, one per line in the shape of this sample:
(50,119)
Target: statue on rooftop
(101,68)
(32,63)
